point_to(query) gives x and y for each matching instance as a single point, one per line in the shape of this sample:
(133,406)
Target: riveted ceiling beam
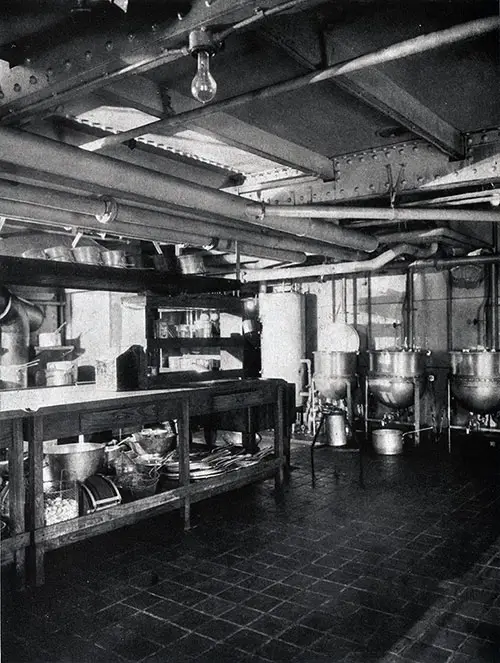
(108,53)
(299,39)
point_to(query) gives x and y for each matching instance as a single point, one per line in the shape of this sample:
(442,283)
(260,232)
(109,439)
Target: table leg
(36,500)
(279,438)
(183,448)
(17,497)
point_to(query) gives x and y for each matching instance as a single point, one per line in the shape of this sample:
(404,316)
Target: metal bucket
(335,429)
(333,371)
(74,461)
(387,441)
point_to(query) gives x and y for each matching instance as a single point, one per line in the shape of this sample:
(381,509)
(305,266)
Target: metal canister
(335,428)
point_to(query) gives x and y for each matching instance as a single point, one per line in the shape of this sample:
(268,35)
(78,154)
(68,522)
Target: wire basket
(60,500)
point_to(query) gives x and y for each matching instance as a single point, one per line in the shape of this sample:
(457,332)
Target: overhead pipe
(49,156)
(446,263)
(215,226)
(396,51)
(445,235)
(155,230)
(358,213)
(338,269)
(128,214)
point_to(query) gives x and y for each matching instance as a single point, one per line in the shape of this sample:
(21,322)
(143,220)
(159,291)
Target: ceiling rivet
(372,187)
(356,188)
(17,87)
(33,80)
(67,64)
(88,55)
(109,45)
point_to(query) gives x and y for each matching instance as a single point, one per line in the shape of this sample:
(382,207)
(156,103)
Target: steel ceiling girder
(87,62)
(386,172)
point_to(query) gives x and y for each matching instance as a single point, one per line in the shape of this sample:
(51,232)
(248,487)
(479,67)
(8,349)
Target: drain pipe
(18,318)
(337,269)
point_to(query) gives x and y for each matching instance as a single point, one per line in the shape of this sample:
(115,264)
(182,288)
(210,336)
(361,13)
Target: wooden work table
(57,412)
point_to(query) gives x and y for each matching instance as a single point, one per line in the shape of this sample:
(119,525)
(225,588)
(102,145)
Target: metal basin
(480,363)
(398,363)
(394,392)
(475,380)
(476,394)
(74,461)
(333,371)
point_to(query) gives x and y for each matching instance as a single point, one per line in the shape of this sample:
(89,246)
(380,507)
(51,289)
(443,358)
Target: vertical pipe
(416,394)
(409,318)
(369,313)
(355,302)
(449,413)
(449,312)
(494,293)
(344,297)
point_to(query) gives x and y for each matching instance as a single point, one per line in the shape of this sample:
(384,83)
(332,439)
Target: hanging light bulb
(203,86)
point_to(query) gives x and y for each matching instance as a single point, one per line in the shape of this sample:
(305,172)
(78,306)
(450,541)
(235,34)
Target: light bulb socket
(201,40)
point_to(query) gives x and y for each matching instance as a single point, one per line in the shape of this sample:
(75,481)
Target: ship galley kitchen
(249,331)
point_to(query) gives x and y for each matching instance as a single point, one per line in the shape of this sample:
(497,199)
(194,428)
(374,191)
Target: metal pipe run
(446,263)
(379,213)
(445,235)
(396,51)
(159,227)
(494,294)
(49,156)
(185,221)
(337,269)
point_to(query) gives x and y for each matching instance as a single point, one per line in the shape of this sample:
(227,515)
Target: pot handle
(420,430)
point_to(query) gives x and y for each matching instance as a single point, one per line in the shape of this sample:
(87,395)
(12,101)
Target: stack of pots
(475,380)
(392,375)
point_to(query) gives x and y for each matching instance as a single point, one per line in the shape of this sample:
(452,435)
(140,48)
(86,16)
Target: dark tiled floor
(405,569)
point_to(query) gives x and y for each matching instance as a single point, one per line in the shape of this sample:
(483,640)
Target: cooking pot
(60,373)
(388,441)
(333,371)
(114,258)
(61,253)
(91,255)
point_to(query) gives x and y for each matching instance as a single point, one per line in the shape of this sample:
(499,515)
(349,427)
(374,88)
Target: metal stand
(416,409)
(325,411)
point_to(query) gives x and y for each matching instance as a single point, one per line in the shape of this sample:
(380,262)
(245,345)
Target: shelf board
(52,273)
(216,342)
(53,348)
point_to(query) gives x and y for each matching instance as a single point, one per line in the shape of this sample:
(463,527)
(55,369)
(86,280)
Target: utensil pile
(203,465)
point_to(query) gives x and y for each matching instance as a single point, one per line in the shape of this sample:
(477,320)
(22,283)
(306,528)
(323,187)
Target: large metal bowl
(74,462)
(475,380)
(397,363)
(394,392)
(333,371)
